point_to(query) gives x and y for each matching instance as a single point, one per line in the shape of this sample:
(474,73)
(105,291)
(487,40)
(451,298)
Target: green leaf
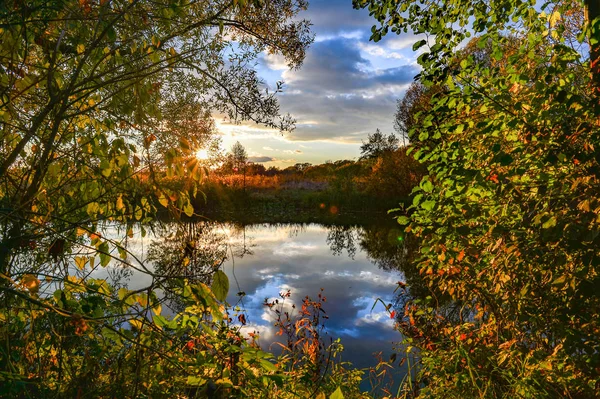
(267,365)
(417,199)
(427,186)
(337,394)
(195,381)
(419,44)
(220,285)
(160,321)
(403,220)
(549,223)
(428,205)
(103,252)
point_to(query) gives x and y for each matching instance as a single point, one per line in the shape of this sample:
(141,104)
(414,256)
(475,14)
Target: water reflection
(340,238)
(355,265)
(387,247)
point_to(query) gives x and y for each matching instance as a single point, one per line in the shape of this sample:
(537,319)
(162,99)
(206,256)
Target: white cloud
(275,62)
(378,50)
(294,248)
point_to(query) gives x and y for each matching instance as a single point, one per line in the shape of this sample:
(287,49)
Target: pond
(352,265)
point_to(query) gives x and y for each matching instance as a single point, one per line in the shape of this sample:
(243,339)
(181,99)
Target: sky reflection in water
(301,260)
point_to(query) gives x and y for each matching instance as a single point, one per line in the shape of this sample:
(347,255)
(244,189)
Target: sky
(347,88)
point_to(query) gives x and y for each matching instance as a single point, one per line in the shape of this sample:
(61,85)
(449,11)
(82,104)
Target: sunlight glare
(202,154)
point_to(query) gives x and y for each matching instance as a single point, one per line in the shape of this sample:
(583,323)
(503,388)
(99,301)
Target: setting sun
(202,154)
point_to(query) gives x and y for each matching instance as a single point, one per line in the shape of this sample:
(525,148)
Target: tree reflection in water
(340,238)
(387,247)
(192,251)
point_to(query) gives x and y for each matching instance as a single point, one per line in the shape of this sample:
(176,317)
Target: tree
(99,100)
(239,156)
(507,215)
(83,105)
(416,101)
(302,166)
(377,144)
(394,175)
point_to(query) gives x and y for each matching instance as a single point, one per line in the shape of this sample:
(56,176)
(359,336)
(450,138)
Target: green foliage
(98,96)
(101,102)
(509,213)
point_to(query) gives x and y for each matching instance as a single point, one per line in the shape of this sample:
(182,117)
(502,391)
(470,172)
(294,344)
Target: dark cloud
(336,67)
(346,118)
(337,94)
(260,159)
(331,17)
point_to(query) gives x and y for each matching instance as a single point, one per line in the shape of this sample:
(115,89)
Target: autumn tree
(507,215)
(98,101)
(416,102)
(83,108)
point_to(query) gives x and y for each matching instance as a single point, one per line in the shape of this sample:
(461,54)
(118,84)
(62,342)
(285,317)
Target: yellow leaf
(80,48)
(73,280)
(136,323)
(80,261)
(120,204)
(157,309)
(163,200)
(554,18)
(31,282)
(188,210)
(337,394)
(584,205)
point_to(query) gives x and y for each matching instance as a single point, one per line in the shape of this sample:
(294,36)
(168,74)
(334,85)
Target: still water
(354,265)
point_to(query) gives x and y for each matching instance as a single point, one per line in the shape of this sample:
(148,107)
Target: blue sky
(346,88)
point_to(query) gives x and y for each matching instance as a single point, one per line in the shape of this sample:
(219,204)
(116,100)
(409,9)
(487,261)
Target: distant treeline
(369,184)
